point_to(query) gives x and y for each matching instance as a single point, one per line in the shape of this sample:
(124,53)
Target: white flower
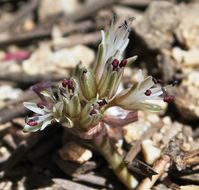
(43,117)
(39,121)
(113,44)
(140,95)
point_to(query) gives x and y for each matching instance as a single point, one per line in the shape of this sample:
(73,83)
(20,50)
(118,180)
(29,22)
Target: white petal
(146,84)
(155,90)
(140,76)
(33,107)
(103,38)
(45,124)
(157,93)
(44,117)
(28,128)
(123,46)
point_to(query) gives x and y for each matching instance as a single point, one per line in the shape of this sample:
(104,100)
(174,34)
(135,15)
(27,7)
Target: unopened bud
(88,84)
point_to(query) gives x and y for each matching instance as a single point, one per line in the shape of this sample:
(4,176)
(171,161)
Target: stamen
(71,85)
(168,98)
(32,123)
(115,64)
(40,105)
(123,63)
(65,83)
(148,92)
(102,102)
(93,111)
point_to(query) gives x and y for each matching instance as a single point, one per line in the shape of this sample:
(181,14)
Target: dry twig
(159,167)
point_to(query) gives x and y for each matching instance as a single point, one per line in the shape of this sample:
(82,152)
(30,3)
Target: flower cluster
(81,102)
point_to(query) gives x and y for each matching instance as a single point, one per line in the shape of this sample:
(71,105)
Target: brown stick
(39,33)
(89,9)
(67,184)
(159,167)
(24,78)
(91,38)
(93,179)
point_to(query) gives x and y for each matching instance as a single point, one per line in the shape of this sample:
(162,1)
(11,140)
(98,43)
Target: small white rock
(51,7)
(134,131)
(187,58)
(8,92)
(44,60)
(151,153)
(70,57)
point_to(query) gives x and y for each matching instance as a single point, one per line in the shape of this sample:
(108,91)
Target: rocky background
(44,40)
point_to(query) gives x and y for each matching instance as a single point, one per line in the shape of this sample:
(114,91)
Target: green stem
(115,160)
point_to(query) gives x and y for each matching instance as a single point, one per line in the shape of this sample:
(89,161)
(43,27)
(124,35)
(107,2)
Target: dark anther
(32,123)
(71,85)
(64,83)
(102,102)
(148,92)
(115,64)
(168,98)
(93,111)
(123,63)
(40,105)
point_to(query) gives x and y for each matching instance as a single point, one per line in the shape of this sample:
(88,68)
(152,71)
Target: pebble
(44,60)
(150,152)
(75,153)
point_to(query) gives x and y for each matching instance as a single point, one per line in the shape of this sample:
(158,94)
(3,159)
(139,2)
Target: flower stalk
(103,144)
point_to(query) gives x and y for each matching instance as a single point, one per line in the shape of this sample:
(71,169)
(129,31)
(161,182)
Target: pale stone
(167,120)
(187,31)
(4,153)
(153,118)
(44,60)
(187,96)
(9,67)
(150,152)
(177,54)
(75,153)
(51,7)
(70,57)
(187,58)
(40,61)
(8,92)
(134,131)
